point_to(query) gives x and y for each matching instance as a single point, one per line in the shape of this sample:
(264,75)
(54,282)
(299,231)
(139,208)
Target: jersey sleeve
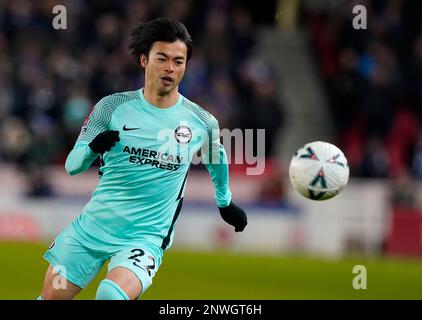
(215,160)
(81,156)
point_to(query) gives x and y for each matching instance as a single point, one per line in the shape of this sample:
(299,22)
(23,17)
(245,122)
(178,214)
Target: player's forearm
(219,173)
(79,159)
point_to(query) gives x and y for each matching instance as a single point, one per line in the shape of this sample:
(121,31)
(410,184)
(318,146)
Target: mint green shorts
(78,256)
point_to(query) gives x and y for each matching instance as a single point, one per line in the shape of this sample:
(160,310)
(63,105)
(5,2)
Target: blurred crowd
(373,78)
(50,79)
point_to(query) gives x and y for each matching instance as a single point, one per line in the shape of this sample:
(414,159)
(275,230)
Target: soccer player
(146,140)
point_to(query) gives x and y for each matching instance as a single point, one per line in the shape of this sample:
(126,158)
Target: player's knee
(49,293)
(56,287)
(109,290)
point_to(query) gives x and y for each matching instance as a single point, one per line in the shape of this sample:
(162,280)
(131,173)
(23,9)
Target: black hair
(145,34)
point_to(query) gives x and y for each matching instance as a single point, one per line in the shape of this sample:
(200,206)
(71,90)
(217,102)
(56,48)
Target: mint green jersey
(142,178)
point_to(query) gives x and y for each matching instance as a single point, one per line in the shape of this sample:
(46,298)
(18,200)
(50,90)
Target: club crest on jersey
(183,134)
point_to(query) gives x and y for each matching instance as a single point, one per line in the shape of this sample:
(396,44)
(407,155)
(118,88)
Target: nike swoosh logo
(129,129)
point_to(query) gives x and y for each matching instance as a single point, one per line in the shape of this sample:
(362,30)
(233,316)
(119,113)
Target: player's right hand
(104,141)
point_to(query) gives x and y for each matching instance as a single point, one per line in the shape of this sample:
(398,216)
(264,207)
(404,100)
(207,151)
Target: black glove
(235,216)
(104,141)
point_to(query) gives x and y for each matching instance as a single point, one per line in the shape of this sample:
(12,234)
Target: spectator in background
(260,105)
(41,151)
(223,99)
(15,138)
(243,34)
(403,191)
(382,92)
(265,113)
(375,160)
(345,91)
(215,41)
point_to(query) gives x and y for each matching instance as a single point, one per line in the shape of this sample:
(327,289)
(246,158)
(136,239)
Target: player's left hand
(234,216)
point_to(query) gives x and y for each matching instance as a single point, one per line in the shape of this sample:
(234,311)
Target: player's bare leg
(127,281)
(57,287)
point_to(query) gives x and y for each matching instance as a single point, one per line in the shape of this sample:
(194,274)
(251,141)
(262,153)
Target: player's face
(165,66)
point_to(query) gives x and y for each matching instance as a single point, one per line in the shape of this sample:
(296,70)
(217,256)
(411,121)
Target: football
(319,170)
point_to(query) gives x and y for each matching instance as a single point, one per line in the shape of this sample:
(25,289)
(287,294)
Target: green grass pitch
(225,275)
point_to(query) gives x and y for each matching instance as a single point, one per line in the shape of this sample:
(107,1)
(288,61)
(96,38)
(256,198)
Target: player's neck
(159,100)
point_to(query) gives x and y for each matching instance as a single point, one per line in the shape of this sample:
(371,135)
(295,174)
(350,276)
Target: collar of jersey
(157,109)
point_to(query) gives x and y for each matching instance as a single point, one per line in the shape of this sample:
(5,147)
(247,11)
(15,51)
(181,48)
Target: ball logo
(183,134)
